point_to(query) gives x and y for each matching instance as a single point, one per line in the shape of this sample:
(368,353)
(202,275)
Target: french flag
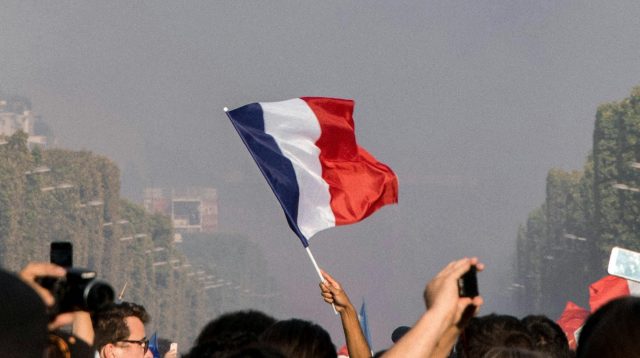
(306,149)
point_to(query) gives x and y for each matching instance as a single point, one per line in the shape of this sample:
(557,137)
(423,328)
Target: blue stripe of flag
(276,168)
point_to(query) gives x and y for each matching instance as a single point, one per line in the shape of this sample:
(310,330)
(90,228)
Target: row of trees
(61,195)
(565,243)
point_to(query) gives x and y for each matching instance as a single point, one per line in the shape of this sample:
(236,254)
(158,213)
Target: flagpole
(315,265)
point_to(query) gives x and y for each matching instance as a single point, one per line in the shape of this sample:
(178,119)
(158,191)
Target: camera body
(79,290)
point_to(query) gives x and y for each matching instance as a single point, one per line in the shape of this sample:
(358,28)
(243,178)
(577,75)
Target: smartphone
(468,283)
(61,254)
(624,263)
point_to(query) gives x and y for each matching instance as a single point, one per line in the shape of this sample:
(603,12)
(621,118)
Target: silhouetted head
(231,324)
(300,339)
(548,336)
(23,319)
(612,331)
(504,352)
(493,331)
(230,333)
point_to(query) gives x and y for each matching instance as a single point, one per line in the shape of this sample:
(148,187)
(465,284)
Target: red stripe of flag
(358,183)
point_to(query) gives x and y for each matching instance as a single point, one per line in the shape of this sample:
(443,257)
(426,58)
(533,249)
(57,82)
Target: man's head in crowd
(487,332)
(119,331)
(23,319)
(612,331)
(548,336)
(299,338)
(504,352)
(230,332)
(232,324)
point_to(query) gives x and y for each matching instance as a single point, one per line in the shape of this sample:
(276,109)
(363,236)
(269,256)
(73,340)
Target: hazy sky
(470,102)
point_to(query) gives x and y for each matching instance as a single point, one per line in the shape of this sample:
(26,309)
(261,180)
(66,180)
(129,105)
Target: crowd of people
(449,327)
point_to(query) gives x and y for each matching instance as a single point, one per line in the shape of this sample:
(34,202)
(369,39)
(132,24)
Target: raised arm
(332,292)
(435,332)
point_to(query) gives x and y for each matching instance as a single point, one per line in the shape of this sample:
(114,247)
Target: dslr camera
(79,290)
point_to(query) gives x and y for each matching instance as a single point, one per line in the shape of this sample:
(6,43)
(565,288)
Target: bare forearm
(421,340)
(446,342)
(356,341)
(82,327)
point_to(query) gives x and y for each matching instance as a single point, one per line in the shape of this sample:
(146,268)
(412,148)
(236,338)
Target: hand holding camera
(40,269)
(453,292)
(67,290)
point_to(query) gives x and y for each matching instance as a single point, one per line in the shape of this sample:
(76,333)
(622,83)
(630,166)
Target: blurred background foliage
(62,195)
(565,243)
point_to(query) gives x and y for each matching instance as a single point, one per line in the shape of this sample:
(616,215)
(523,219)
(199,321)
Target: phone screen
(624,263)
(61,253)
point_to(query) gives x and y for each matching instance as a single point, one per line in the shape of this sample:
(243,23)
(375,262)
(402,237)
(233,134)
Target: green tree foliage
(566,243)
(77,199)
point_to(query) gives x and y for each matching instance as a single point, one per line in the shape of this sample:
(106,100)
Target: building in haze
(191,210)
(16,115)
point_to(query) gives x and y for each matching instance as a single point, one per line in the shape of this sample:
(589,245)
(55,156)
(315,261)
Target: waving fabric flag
(306,149)
(364,323)
(571,322)
(609,288)
(153,345)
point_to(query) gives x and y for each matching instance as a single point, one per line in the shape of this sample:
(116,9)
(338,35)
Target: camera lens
(98,295)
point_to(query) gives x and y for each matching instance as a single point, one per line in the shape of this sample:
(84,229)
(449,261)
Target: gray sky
(470,102)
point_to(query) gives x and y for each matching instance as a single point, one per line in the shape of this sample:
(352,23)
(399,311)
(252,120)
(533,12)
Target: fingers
(460,267)
(38,269)
(326,291)
(330,280)
(35,269)
(44,294)
(61,320)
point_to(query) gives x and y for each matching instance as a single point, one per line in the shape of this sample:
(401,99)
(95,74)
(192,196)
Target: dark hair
(300,339)
(484,333)
(222,346)
(548,336)
(230,324)
(23,319)
(229,333)
(257,352)
(612,331)
(511,352)
(110,326)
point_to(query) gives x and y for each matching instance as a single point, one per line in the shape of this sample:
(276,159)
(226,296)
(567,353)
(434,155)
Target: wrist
(348,310)
(441,317)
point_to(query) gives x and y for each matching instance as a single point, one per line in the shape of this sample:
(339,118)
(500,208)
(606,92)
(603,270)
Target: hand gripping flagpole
(315,265)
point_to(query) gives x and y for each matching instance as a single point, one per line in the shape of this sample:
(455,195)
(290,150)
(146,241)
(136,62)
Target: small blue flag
(364,324)
(153,345)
